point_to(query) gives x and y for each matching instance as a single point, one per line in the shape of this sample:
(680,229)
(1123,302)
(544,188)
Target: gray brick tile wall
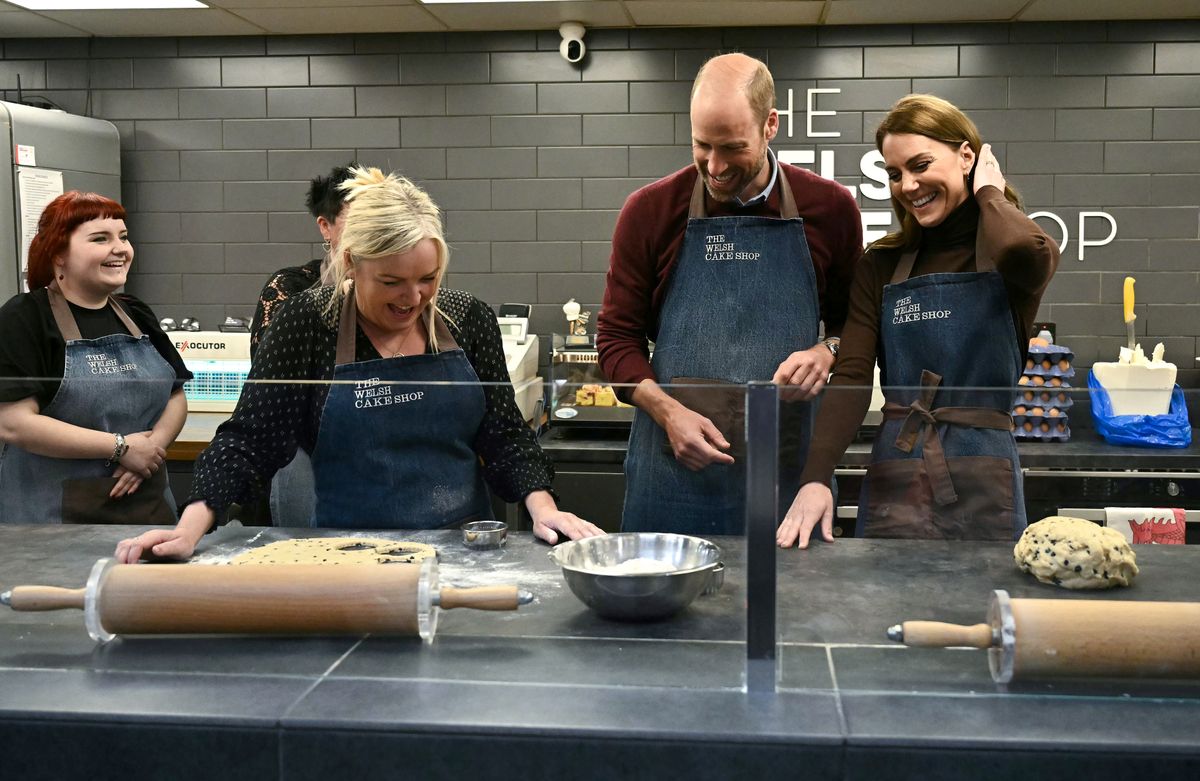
(460,194)
(354,70)
(246,103)
(224,227)
(1105,58)
(264,71)
(531,157)
(538,130)
(445,131)
(266,134)
(222,166)
(536,194)
(383,132)
(310,101)
(177,72)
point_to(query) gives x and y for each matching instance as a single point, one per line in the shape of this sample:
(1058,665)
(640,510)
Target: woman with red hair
(91,389)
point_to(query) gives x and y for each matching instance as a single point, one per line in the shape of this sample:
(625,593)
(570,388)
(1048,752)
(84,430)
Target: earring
(327,246)
(60,276)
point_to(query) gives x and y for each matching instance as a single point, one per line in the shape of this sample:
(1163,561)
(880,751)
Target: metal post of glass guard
(762,500)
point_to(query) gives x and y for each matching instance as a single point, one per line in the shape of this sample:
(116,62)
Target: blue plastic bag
(1169,430)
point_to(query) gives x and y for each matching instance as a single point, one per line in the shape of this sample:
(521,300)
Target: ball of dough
(1076,554)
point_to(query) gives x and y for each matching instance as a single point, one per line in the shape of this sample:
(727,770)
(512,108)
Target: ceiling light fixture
(104,5)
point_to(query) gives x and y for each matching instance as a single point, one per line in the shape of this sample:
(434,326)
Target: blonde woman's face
(392,291)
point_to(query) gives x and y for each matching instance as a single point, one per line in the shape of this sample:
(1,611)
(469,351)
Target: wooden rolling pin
(262,598)
(1041,638)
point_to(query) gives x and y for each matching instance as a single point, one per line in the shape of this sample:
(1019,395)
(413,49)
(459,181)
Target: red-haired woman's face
(98,256)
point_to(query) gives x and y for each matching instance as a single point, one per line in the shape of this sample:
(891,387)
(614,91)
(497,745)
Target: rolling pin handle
(934,634)
(524,597)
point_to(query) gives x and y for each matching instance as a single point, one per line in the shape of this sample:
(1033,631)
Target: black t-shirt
(32,351)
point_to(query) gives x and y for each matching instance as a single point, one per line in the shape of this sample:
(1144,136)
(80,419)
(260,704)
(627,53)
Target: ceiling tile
(236,4)
(205,21)
(921,11)
(342,19)
(1066,10)
(721,13)
(530,16)
(23,24)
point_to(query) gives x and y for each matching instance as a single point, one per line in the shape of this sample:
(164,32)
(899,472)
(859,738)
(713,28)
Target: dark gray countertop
(552,689)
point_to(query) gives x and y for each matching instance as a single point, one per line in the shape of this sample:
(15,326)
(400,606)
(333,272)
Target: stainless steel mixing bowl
(637,597)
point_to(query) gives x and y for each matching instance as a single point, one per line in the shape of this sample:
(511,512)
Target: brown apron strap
(445,339)
(696,208)
(348,326)
(787,201)
(904,267)
(66,321)
(920,418)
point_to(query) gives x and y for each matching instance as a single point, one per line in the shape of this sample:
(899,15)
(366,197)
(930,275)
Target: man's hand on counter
(177,543)
(803,374)
(813,504)
(549,521)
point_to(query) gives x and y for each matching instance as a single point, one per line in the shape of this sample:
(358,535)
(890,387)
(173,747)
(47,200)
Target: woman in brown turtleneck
(946,304)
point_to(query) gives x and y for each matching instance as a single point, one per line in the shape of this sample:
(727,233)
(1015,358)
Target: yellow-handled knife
(1129,315)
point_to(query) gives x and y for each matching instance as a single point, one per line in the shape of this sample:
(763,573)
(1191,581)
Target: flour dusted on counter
(638,566)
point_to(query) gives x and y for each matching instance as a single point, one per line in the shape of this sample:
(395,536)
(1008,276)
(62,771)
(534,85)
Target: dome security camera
(572,48)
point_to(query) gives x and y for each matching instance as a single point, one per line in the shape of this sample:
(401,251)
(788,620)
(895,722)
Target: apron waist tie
(920,420)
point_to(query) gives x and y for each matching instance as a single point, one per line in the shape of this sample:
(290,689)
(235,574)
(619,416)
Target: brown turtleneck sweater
(1025,256)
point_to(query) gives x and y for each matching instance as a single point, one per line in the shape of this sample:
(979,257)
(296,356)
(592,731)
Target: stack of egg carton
(1043,396)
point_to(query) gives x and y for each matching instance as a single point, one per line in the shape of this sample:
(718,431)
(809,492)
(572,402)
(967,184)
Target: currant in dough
(1074,553)
(337,550)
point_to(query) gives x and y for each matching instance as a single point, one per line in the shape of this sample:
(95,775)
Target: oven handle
(1097,514)
(1129,475)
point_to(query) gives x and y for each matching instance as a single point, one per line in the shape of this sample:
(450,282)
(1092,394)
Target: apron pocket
(900,500)
(86,500)
(724,405)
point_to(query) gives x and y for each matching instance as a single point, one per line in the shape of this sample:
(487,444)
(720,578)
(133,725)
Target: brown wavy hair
(941,120)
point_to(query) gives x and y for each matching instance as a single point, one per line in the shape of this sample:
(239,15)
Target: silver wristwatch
(120,448)
(834,344)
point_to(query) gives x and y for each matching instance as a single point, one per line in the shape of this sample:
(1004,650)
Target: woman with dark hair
(947,304)
(88,445)
(327,204)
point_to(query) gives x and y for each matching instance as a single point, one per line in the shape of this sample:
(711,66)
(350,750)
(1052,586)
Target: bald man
(729,266)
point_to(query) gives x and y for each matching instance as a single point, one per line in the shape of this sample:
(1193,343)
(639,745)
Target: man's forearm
(649,397)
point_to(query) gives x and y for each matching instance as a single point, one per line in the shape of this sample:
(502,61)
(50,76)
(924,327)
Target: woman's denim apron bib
(742,298)
(117,383)
(944,464)
(394,450)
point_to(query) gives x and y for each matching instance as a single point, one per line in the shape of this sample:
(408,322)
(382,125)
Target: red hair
(58,221)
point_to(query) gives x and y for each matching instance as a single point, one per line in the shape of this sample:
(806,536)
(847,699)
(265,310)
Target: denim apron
(394,449)
(743,297)
(117,383)
(944,464)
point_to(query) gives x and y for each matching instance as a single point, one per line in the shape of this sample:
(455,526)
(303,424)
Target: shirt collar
(766,193)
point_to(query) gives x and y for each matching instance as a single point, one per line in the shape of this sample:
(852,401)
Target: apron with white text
(394,449)
(118,383)
(743,297)
(944,464)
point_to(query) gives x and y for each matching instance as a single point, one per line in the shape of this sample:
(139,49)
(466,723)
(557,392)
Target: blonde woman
(420,419)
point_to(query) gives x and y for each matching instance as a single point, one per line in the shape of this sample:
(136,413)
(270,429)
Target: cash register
(521,358)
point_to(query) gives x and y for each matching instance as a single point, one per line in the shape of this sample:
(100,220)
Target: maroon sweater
(650,231)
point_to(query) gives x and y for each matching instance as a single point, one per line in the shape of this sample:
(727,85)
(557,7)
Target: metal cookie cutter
(716,579)
(485,535)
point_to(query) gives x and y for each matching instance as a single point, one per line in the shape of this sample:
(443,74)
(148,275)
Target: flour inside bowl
(638,566)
